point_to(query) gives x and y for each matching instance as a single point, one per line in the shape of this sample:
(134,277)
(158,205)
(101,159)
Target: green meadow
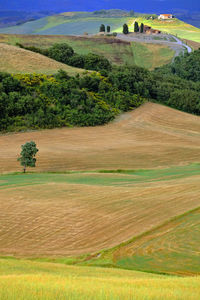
(99,177)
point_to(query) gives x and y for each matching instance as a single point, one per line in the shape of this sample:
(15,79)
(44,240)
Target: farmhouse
(149,30)
(165,17)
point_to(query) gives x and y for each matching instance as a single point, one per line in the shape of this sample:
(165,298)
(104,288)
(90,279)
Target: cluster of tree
(104,28)
(33,101)
(40,101)
(186,66)
(64,53)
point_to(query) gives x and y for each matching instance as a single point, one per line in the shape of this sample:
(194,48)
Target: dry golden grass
(62,219)
(22,279)
(151,136)
(17,60)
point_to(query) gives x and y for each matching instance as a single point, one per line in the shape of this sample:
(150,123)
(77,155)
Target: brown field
(84,213)
(16,60)
(149,137)
(62,219)
(194,45)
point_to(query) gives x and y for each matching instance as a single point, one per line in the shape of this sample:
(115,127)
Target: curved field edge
(17,60)
(170,248)
(21,279)
(151,136)
(60,215)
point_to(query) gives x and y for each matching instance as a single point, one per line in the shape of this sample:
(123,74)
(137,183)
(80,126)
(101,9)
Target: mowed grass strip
(172,248)
(152,136)
(16,60)
(151,56)
(46,281)
(72,214)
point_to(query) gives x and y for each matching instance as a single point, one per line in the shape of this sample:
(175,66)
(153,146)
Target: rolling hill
(17,60)
(175,27)
(76,23)
(117,51)
(73,213)
(150,136)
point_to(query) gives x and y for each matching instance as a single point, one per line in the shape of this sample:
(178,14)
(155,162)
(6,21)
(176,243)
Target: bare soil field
(152,136)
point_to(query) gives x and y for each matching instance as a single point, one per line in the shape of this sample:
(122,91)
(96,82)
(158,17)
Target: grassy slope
(46,281)
(175,27)
(16,60)
(118,52)
(151,56)
(60,24)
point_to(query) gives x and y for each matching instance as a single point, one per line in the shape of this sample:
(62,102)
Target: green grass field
(115,178)
(23,279)
(68,25)
(174,26)
(151,56)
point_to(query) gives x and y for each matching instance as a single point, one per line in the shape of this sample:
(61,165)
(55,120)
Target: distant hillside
(16,60)
(72,23)
(173,26)
(77,23)
(13,18)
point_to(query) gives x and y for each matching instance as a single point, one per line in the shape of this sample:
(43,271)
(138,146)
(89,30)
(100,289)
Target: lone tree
(108,28)
(142,28)
(102,28)
(27,155)
(136,27)
(125,29)
(132,13)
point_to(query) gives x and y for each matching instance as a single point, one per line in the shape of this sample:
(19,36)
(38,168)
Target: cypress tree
(136,27)
(102,28)
(125,29)
(108,28)
(142,28)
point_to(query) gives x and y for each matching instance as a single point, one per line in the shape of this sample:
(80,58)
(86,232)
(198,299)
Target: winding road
(169,40)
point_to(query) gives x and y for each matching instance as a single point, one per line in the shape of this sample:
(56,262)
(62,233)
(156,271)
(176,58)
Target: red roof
(166,14)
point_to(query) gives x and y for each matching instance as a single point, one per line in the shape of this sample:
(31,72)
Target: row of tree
(104,28)
(137,28)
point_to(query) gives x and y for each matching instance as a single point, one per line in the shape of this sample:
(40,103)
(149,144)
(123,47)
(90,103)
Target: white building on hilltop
(165,17)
